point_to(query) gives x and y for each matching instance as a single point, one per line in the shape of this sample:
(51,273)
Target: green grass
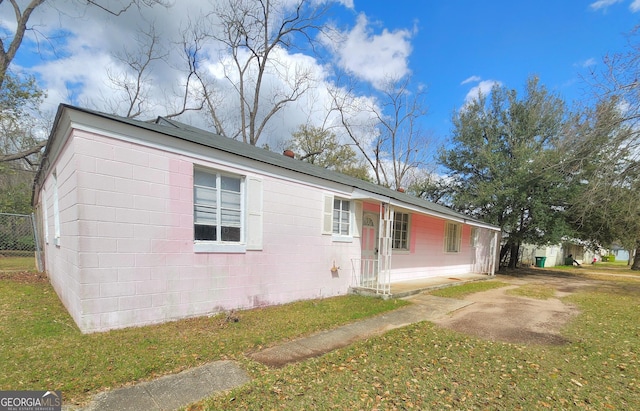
(41,348)
(460,291)
(17,263)
(538,291)
(426,367)
(420,366)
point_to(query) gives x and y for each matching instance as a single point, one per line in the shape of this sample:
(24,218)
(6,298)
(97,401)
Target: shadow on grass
(611,278)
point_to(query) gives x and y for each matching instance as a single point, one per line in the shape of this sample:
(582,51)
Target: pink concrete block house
(147,222)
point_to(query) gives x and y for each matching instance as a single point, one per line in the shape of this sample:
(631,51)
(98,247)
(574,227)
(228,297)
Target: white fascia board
(482,225)
(360,194)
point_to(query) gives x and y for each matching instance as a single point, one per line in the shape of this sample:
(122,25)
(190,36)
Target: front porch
(406,288)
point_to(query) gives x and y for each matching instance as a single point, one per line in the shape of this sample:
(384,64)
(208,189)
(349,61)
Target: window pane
(230,183)
(230,233)
(205,232)
(205,215)
(230,200)
(230,217)
(344,223)
(202,178)
(205,196)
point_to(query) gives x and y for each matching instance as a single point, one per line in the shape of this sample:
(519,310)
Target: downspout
(494,254)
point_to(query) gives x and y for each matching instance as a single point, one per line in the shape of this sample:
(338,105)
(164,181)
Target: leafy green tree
(321,147)
(502,164)
(432,187)
(15,189)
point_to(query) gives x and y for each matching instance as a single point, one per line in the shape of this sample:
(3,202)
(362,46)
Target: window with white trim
(473,240)
(218,207)
(452,236)
(400,231)
(341,217)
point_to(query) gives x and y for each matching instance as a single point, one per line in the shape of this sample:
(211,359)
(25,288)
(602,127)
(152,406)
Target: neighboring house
(149,222)
(557,254)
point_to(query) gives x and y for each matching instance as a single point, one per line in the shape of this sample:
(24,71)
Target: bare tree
(252,33)
(22,16)
(386,131)
(606,140)
(19,94)
(134,80)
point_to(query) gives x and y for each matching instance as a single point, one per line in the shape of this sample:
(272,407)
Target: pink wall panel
(136,260)
(427,256)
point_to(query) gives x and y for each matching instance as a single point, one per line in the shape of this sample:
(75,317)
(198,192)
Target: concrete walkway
(425,308)
(174,391)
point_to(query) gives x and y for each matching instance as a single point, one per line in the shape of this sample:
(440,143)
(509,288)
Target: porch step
(368,292)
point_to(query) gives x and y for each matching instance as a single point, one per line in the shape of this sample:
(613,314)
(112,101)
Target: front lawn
(421,366)
(42,349)
(425,367)
(17,263)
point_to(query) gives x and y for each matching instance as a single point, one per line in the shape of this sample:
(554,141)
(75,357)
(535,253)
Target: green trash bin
(540,261)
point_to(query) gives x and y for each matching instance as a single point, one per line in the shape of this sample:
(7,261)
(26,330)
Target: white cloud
(587,63)
(472,79)
(346,3)
(484,88)
(76,72)
(603,4)
(375,58)
(634,6)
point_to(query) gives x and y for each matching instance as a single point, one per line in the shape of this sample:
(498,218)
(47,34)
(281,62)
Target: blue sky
(451,47)
(503,41)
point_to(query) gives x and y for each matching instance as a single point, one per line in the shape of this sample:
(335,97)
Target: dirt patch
(496,316)
(24,277)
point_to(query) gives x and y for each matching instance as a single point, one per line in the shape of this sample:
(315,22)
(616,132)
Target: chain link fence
(17,235)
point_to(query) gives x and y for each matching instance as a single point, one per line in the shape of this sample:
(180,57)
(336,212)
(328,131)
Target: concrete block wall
(62,261)
(136,262)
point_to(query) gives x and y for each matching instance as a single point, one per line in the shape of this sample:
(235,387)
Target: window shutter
(327,215)
(254,213)
(358,218)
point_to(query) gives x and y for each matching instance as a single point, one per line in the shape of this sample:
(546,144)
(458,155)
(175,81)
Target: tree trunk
(636,260)
(503,251)
(513,257)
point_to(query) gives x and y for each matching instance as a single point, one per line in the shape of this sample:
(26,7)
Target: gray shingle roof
(205,138)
